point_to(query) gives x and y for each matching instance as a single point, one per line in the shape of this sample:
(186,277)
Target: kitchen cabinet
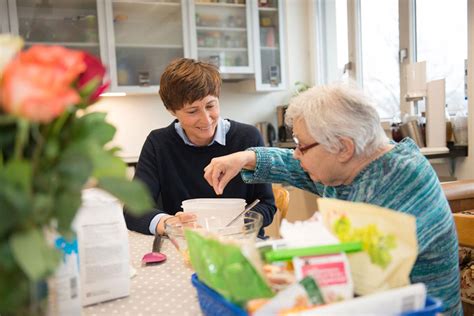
(4,20)
(143,37)
(70,23)
(136,39)
(221,34)
(270,70)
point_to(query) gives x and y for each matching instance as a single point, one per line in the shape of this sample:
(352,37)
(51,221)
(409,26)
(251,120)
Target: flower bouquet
(51,146)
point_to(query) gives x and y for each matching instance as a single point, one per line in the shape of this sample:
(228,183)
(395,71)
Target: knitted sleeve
(277,165)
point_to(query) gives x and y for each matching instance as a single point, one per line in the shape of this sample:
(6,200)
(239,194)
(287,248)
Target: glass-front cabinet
(221,34)
(270,72)
(136,39)
(70,23)
(4,19)
(143,37)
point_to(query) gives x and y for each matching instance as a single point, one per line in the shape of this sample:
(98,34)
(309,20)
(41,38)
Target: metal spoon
(155,256)
(248,207)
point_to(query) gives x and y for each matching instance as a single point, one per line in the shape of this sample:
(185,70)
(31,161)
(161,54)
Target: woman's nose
(206,116)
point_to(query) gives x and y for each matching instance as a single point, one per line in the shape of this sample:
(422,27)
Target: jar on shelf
(231,21)
(198,19)
(229,43)
(201,42)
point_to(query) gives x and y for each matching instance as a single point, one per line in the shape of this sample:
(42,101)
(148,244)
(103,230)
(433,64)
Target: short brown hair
(185,81)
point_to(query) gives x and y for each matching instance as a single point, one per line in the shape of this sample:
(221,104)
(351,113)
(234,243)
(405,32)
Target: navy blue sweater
(174,171)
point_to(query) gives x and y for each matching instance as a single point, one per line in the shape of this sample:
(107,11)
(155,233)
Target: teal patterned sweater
(403,180)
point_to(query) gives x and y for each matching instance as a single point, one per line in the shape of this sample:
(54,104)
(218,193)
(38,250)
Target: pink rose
(37,84)
(94,74)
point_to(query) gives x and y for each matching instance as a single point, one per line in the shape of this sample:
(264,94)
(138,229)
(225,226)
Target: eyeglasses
(303,149)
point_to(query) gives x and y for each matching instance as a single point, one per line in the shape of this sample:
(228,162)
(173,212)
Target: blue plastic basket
(432,307)
(213,304)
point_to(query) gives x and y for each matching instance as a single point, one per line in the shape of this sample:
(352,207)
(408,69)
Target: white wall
(136,116)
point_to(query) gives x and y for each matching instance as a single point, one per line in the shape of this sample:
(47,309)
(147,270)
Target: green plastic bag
(223,267)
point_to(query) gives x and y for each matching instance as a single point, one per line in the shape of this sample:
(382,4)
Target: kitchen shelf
(267,9)
(217,4)
(288,145)
(230,49)
(455,151)
(164,46)
(75,5)
(219,28)
(269,43)
(70,44)
(175,4)
(269,48)
(145,35)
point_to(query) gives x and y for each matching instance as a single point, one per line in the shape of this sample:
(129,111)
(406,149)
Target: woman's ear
(347,151)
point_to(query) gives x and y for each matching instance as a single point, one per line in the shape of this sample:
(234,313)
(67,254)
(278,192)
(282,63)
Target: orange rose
(37,84)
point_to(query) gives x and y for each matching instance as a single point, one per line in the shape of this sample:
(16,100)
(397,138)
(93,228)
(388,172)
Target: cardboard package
(103,248)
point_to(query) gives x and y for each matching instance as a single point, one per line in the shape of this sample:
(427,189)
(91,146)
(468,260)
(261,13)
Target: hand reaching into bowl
(223,169)
(181,216)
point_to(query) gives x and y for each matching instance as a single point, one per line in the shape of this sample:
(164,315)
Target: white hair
(339,110)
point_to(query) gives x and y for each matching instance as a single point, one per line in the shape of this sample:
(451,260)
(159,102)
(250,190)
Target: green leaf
(94,128)
(133,194)
(32,253)
(7,261)
(67,204)
(43,205)
(107,164)
(74,169)
(90,87)
(15,205)
(47,180)
(14,291)
(7,140)
(104,162)
(51,148)
(19,173)
(7,119)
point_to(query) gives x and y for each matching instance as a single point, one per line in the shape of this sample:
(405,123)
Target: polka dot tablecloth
(163,289)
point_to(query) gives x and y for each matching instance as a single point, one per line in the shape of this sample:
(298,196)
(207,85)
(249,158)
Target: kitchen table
(163,289)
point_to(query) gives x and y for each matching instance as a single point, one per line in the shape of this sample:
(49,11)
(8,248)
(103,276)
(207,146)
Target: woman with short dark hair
(173,158)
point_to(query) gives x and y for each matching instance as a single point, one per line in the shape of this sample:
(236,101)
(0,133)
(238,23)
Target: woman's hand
(183,217)
(223,169)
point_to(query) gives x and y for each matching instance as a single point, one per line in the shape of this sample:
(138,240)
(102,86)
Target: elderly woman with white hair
(342,152)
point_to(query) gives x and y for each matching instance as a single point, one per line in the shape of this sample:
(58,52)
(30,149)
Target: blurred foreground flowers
(50,147)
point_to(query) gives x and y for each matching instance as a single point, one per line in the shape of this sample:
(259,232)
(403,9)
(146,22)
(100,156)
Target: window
(430,30)
(441,40)
(333,40)
(379,48)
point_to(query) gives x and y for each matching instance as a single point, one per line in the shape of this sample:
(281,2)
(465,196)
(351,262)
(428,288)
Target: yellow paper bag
(388,239)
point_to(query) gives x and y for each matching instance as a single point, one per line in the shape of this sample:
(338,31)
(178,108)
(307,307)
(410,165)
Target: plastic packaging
(460,128)
(64,286)
(230,267)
